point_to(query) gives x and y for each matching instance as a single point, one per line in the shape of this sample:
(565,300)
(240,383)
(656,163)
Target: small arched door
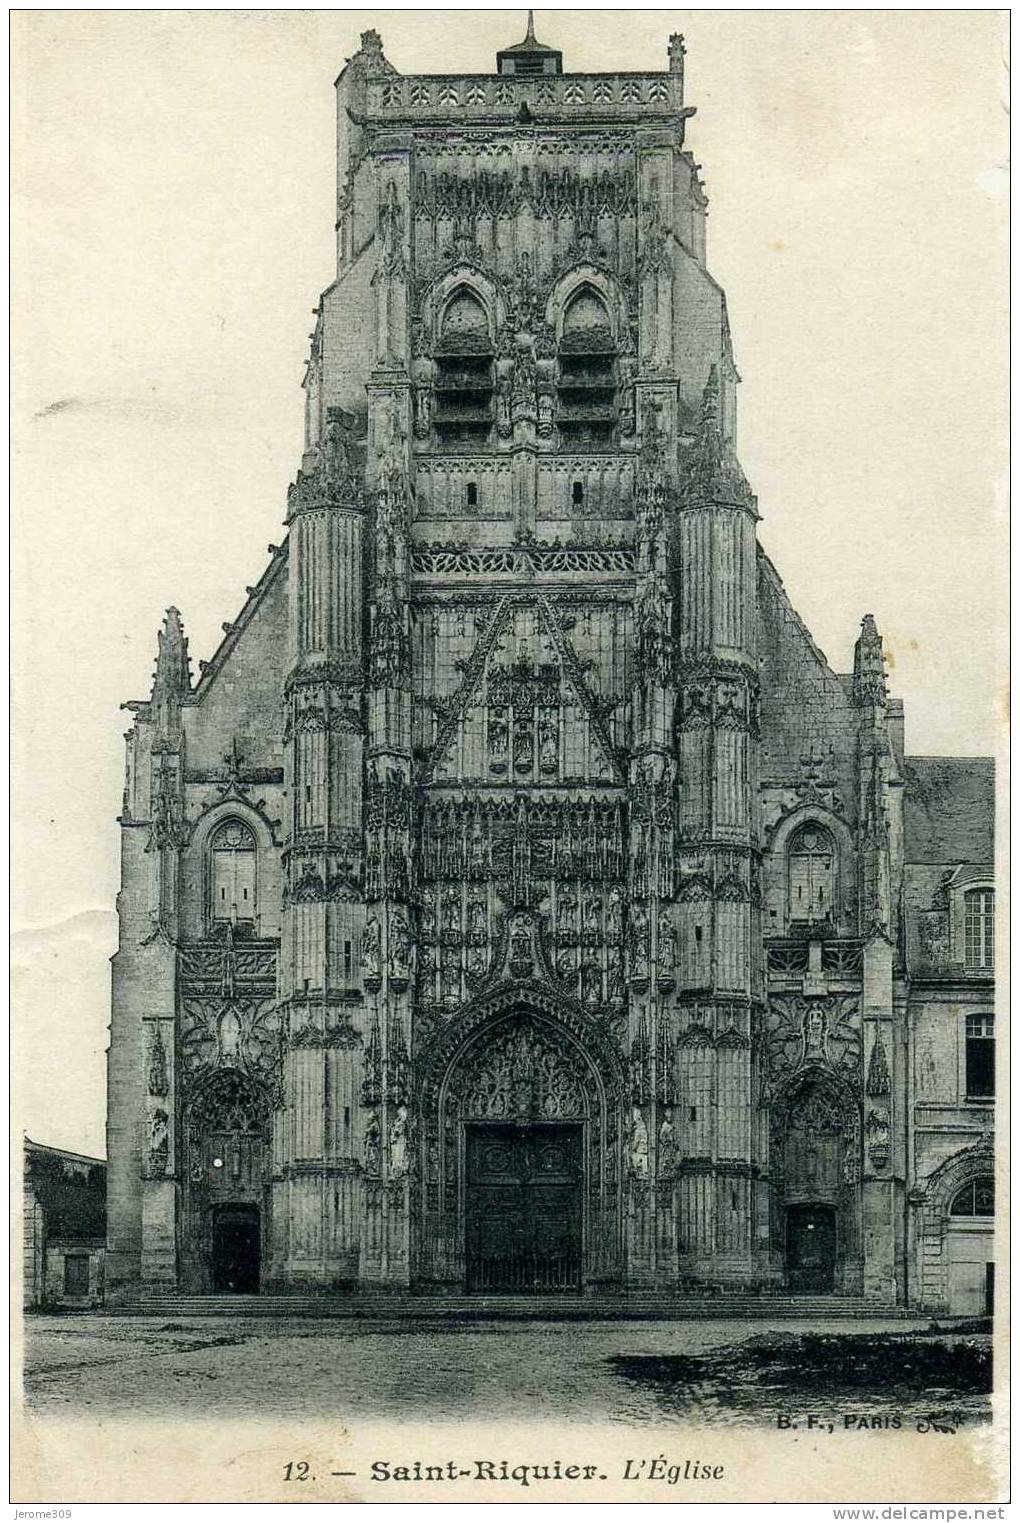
(970,1244)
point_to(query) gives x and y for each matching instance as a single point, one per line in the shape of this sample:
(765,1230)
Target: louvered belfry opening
(464,373)
(587,377)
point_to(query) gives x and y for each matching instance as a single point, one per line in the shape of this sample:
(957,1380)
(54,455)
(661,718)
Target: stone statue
(639,942)
(230,1036)
(401,950)
(614,915)
(159,1141)
(373,1145)
(814,1031)
(157,1064)
(667,944)
(398,1143)
(371,949)
(638,1145)
(667,1149)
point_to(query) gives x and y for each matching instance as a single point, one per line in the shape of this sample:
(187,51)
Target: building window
(812,874)
(76,1274)
(472,494)
(586,384)
(980,1057)
(979,927)
(463,380)
(232,873)
(975,1199)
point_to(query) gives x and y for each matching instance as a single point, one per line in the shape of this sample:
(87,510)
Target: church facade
(518,901)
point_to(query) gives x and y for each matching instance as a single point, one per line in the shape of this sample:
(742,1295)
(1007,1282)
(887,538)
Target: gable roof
(949,809)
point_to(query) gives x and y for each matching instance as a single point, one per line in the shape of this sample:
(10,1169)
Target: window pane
(980,1067)
(984,1197)
(979,927)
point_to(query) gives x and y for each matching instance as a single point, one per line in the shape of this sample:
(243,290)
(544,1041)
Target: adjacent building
(64,1228)
(518,900)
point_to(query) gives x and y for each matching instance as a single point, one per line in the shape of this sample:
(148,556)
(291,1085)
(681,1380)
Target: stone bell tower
(512,905)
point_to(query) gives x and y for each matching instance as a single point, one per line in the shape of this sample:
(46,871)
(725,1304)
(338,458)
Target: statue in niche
(229,1036)
(398,1143)
(159,1141)
(338,468)
(373,1145)
(451,915)
(521,959)
(422,411)
(637,1145)
(499,740)
(391,233)
(401,950)
(524,752)
(157,1064)
(371,949)
(477,964)
(614,915)
(476,848)
(667,1158)
(479,923)
(592,929)
(614,980)
(814,1032)
(450,982)
(548,741)
(877,1129)
(639,942)
(667,944)
(427,919)
(591,985)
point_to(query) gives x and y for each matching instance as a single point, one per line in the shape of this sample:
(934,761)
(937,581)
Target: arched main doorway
(520,1171)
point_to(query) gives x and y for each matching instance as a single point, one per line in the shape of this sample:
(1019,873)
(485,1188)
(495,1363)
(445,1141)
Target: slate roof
(949,809)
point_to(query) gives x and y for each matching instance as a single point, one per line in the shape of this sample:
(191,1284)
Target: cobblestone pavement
(383,1370)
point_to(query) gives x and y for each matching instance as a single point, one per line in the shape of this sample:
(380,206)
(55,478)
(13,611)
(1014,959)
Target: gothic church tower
(511,903)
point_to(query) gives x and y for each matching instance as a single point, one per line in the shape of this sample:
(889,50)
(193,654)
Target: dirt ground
(631,1373)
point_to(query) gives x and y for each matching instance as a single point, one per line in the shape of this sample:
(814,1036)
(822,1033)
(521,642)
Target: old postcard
(505,1005)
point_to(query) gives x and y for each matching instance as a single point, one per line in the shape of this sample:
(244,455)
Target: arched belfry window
(587,371)
(463,371)
(232,874)
(812,874)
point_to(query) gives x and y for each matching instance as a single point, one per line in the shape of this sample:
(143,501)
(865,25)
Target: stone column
(718,857)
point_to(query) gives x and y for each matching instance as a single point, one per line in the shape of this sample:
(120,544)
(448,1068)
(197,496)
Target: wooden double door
(524,1192)
(811,1249)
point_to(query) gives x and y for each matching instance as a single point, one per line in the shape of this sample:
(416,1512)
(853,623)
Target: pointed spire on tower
(869,664)
(714,472)
(530,56)
(172,680)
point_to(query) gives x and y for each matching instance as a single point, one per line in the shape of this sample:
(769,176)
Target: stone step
(637,1307)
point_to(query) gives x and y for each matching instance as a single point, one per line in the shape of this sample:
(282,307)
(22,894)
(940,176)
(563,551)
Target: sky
(173,206)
